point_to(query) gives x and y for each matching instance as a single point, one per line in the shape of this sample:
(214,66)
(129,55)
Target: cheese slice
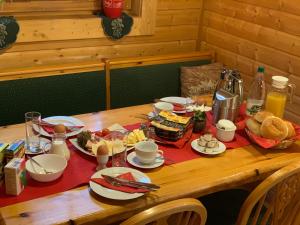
(174,118)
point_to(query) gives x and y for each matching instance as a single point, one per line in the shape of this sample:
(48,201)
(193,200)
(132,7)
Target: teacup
(146,151)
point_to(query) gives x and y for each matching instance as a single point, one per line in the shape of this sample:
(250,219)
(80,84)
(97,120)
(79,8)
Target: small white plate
(45,145)
(65,120)
(208,151)
(133,160)
(113,194)
(179,100)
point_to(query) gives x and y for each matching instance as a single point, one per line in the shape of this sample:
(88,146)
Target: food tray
(269,143)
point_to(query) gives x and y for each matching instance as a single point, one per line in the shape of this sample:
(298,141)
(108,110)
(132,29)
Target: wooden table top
(192,178)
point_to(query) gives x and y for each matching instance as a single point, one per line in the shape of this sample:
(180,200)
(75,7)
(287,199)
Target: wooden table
(192,178)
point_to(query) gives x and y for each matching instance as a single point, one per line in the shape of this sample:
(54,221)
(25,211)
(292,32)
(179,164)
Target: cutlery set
(129,183)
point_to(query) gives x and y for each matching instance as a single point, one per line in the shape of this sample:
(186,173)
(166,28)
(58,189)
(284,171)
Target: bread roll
(262,115)
(291,129)
(274,128)
(253,126)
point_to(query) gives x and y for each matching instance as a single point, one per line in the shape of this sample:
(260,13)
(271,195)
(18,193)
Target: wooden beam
(107,82)
(54,70)
(160,59)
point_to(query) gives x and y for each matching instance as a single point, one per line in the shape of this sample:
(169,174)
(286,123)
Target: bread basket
(269,143)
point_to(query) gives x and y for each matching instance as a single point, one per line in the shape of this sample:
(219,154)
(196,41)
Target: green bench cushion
(54,95)
(140,85)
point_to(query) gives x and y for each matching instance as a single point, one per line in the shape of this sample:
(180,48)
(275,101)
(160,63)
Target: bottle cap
(279,81)
(261,69)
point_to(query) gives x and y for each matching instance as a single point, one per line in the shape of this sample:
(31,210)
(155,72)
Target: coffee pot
(228,96)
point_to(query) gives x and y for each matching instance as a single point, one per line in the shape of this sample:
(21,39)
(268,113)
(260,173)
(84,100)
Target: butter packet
(15,176)
(15,150)
(3,146)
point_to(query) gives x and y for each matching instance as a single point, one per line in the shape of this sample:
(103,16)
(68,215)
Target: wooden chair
(186,211)
(274,201)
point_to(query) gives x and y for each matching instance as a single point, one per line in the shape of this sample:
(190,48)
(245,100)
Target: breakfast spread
(169,125)
(266,125)
(226,125)
(225,130)
(91,142)
(208,141)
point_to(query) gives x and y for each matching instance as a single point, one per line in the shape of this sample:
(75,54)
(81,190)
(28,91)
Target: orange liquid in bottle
(275,103)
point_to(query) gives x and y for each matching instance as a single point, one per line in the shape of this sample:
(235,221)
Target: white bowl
(163,106)
(225,135)
(51,162)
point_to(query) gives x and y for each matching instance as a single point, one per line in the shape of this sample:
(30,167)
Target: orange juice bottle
(277,96)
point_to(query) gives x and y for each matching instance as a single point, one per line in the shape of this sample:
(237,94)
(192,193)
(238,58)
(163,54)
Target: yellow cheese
(174,118)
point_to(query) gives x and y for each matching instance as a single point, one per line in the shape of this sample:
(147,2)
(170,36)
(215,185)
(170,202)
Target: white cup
(146,151)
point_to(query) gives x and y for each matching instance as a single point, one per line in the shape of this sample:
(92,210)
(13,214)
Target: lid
(261,69)
(279,81)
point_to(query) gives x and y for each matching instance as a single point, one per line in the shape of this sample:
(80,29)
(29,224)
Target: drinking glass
(32,127)
(118,140)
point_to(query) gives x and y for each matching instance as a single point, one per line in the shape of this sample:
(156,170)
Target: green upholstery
(54,95)
(140,85)
(85,92)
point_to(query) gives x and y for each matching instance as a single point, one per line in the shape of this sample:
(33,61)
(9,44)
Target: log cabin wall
(248,33)
(51,35)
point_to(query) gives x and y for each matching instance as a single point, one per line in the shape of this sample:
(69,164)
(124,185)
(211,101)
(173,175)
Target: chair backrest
(276,200)
(187,211)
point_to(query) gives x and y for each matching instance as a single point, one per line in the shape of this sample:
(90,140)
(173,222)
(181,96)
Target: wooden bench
(92,86)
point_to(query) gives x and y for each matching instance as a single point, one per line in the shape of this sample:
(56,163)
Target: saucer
(45,145)
(133,160)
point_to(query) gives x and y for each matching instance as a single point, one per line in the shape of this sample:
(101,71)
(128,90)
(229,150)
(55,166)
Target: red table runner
(81,167)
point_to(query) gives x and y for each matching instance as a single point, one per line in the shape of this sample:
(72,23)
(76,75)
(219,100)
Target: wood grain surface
(192,178)
(246,34)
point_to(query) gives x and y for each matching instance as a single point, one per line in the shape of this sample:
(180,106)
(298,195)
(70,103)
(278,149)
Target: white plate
(113,194)
(75,143)
(133,160)
(179,100)
(65,120)
(208,151)
(45,147)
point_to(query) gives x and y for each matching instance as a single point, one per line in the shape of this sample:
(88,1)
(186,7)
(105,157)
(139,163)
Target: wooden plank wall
(248,33)
(176,30)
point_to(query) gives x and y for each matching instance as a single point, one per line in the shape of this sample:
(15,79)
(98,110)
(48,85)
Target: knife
(129,183)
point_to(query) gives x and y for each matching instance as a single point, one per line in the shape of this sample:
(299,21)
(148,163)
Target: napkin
(127,176)
(178,107)
(269,143)
(49,127)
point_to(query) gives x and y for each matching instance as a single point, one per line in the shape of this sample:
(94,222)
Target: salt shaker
(102,157)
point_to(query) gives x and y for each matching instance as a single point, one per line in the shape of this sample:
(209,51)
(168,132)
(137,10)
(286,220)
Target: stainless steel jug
(228,96)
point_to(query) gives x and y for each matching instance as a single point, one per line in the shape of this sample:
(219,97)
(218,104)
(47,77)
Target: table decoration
(9,29)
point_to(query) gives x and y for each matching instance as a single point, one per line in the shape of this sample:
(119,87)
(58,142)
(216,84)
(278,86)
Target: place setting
(146,155)
(70,125)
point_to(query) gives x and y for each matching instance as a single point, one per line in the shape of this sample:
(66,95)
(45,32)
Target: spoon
(37,163)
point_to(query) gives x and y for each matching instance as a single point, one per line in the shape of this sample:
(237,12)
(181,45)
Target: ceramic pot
(199,126)
(113,8)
